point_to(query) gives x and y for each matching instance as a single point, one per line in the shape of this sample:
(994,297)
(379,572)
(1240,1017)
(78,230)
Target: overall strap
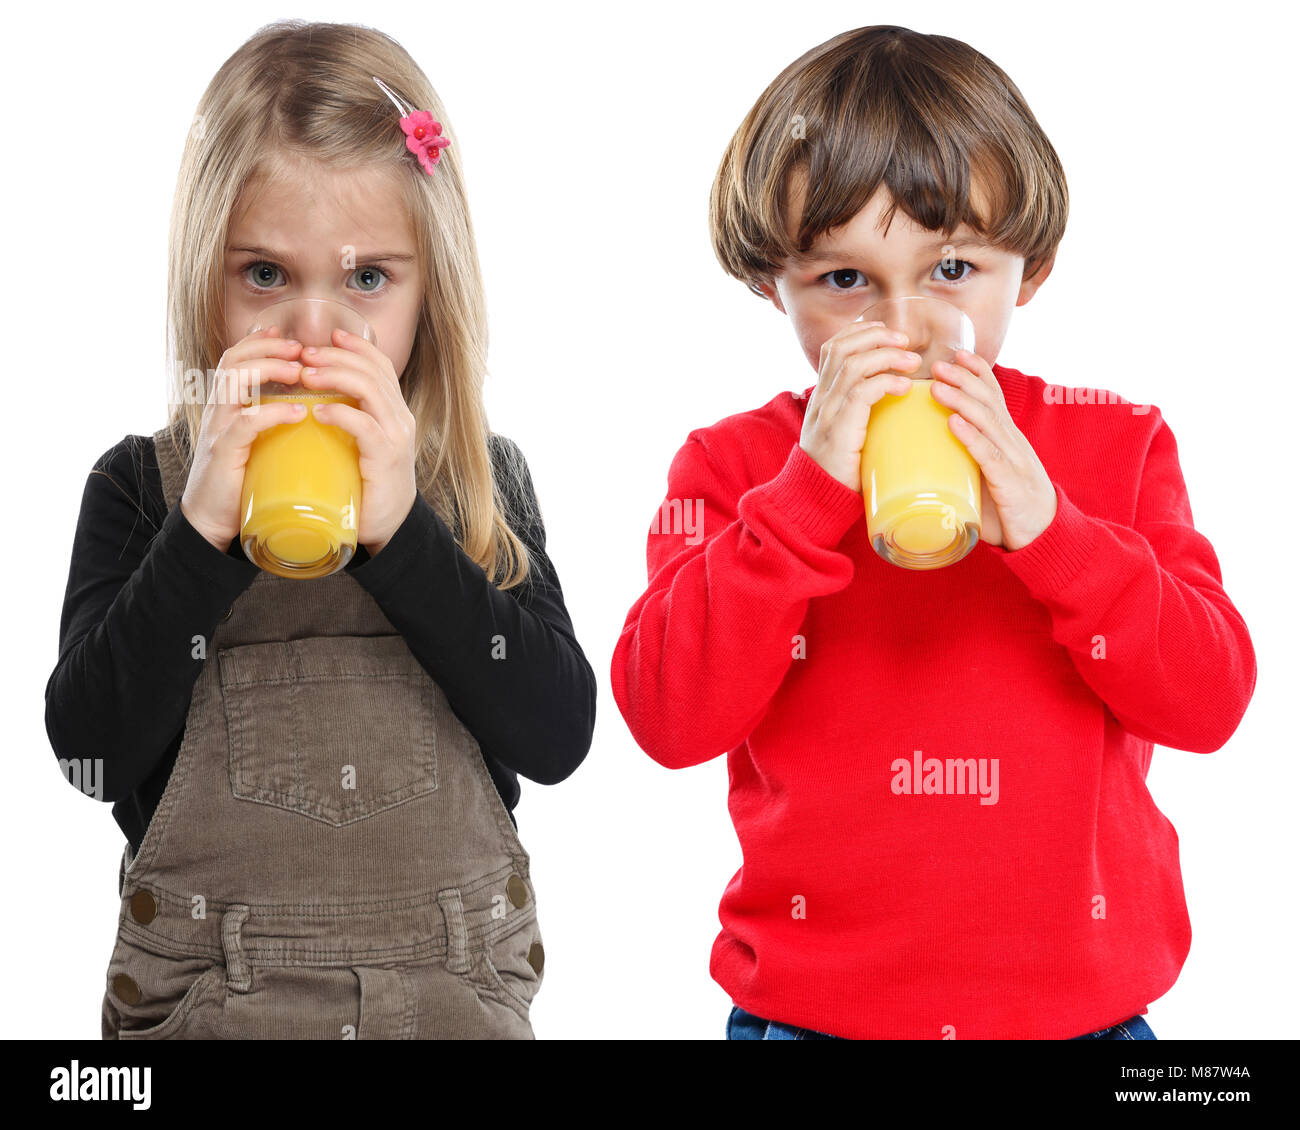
(173,463)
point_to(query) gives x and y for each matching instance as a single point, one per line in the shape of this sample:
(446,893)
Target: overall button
(516,892)
(144,907)
(125,989)
(228,613)
(536,957)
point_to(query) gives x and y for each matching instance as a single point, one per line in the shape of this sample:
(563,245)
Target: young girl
(315,777)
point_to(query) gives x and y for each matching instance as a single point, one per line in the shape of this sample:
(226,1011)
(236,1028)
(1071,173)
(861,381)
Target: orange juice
(302,494)
(920,484)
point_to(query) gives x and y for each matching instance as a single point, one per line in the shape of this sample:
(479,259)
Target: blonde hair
(918,113)
(305,90)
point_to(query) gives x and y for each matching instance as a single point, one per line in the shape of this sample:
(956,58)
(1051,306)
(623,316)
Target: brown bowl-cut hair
(927,116)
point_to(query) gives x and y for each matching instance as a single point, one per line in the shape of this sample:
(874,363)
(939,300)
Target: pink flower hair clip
(423,135)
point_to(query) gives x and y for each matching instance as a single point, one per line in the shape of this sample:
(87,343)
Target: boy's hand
(1022,496)
(856,371)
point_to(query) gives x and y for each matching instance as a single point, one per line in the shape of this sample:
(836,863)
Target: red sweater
(1038,897)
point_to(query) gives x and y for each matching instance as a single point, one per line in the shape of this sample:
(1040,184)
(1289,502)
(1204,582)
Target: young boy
(876,899)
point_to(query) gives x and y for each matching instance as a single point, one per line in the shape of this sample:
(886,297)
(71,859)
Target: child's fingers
(259,345)
(375,395)
(234,387)
(256,418)
(869,392)
(272,358)
(862,367)
(855,338)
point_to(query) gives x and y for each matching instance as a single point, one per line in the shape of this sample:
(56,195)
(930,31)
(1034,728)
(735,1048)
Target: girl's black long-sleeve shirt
(143,582)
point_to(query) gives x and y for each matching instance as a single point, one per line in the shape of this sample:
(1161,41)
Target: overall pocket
(335,728)
(511,966)
(153,996)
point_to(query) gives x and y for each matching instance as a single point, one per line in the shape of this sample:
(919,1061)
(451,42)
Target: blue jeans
(742,1025)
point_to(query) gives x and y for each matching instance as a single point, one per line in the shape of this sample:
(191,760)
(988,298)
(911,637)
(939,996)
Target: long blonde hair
(306,89)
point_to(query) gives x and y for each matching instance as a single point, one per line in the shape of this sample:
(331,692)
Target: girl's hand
(855,373)
(1022,497)
(382,426)
(229,426)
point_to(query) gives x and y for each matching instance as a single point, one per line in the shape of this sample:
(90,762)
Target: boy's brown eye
(844,279)
(956,270)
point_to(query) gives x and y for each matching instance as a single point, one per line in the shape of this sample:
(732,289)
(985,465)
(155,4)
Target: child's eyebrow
(830,254)
(269,253)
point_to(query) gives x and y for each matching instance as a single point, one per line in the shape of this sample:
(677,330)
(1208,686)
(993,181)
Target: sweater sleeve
(1143,612)
(705,648)
(137,597)
(508,661)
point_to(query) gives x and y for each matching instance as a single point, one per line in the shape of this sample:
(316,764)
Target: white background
(591,135)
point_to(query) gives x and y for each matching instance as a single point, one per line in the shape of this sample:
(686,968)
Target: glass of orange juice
(920,485)
(301,501)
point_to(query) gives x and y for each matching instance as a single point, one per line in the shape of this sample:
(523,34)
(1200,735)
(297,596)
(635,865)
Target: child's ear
(768,291)
(1029,286)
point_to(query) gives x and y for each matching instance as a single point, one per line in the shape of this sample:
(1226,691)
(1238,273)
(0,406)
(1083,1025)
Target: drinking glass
(301,500)
(920,485)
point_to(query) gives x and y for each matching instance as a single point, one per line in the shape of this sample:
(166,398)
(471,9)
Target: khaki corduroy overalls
(330,858)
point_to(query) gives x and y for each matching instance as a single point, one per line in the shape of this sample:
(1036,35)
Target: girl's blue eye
(260,271)
(262,276)
(377,277)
